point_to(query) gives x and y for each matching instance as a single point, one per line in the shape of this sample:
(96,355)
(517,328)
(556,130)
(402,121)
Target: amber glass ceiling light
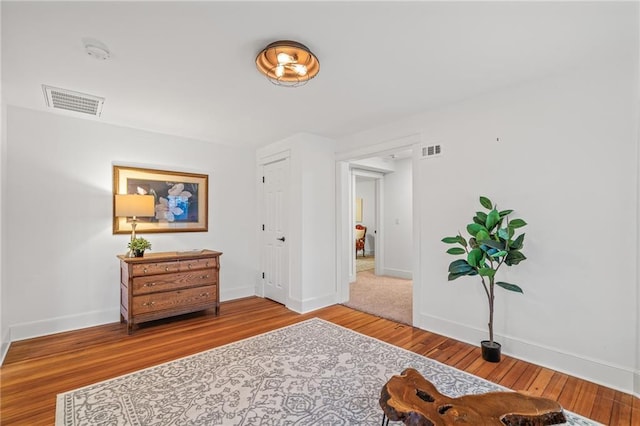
(288,63)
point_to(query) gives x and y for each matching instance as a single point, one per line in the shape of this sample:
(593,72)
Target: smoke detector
(72,101)
(97,52)
(96,49)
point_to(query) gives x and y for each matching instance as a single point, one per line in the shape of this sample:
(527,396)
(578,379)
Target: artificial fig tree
(492,243)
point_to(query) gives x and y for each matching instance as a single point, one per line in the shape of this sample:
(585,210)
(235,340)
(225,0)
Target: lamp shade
(129,205)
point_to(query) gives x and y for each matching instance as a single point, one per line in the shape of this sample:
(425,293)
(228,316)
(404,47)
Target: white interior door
(275,244)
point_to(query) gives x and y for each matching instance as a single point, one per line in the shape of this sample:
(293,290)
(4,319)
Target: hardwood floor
(36,370)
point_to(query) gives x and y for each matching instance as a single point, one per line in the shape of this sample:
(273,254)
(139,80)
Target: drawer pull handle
(149,284)
(148,303)
(204,277)
(204,294)
(166,268)
(144,270)
(189,266)
(207,264)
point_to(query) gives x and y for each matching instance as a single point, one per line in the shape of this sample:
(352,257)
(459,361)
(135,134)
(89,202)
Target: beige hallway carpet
(386,297)
(365,263)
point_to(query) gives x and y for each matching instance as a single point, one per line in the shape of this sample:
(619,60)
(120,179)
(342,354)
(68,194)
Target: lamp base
(133,236)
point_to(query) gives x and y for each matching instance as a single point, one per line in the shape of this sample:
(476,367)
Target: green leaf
(474,257)
(499,245)
(499,254)
(503,233)
(450,240)
(481,218)
(473,243)
(458,239)
(517,243)
(510,287)
(459,266)
(514,257)
(486,272)
(482,235)
(452,277)
(517,223)
(474,228)
(492,219)
(486,203)
(456,250)
(504,213)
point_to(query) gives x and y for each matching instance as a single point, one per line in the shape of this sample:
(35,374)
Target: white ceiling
(188,69)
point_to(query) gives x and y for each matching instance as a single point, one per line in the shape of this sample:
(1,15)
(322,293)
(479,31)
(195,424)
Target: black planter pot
(138,253)
(490,351)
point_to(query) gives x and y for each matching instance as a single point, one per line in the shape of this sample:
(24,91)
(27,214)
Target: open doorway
(366,206)
(381,196)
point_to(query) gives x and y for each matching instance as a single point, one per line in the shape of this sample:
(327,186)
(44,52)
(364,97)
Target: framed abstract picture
(180,199)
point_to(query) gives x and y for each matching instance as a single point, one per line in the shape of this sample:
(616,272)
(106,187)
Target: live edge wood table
(162,285)
(415,401)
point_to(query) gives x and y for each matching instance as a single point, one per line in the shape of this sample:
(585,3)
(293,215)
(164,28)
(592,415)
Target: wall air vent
(430,151)
(72,101)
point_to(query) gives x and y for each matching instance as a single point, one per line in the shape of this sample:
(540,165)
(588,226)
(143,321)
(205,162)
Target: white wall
(4,328)
(312,224)
(5,337)
(567,161)
(398,221)
(60,264)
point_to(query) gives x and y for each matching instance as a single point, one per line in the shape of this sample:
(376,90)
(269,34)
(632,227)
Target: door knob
(280,239)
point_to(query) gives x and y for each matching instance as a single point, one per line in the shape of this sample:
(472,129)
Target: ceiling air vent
(72,101)
(431,151)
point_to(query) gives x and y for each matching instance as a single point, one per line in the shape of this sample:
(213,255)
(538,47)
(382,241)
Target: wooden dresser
(161,285)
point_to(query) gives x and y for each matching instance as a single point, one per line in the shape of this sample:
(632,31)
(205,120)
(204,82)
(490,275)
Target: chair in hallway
(361,233)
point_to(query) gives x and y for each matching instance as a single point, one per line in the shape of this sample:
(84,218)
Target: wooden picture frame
(181,200)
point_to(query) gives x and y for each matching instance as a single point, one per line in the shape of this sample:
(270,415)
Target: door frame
(262,162)
(344,212)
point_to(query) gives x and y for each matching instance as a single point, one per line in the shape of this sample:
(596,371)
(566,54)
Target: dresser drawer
(163,285)
(155,268)
(189,265)
(164,282)
(173,299)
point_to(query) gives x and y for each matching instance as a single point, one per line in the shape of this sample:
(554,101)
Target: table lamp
(133,205)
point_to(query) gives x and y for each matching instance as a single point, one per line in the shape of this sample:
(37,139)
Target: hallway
(383,296)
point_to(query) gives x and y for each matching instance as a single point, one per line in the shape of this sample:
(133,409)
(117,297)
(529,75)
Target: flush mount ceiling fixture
(288,63)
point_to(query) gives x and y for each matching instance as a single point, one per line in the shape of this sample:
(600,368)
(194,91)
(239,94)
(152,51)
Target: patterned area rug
(310,373)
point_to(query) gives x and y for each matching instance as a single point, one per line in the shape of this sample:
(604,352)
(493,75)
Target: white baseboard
(4,345)
(308,305)
(398,273)
(89,319)
(636,383)
(613,376)
(236,293)
(60,324)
